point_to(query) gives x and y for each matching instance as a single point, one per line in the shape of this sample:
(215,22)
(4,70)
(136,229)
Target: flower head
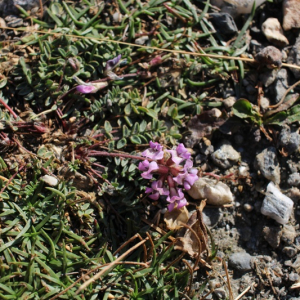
(176,197)
(112,63)
(180,154)
(175,173)
(148,168)
(89,87)
(156,61)
(157,190)
(154,152)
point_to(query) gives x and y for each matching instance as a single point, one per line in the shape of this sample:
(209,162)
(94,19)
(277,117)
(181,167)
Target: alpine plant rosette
(175,171)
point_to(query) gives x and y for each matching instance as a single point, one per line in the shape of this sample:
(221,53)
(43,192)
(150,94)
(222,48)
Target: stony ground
(253,215)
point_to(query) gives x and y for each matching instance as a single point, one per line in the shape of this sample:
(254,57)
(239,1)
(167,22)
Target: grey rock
(294,179)
(7,7)
(280,85)
(239,139)
(268,77)
(288,234)
(267,163)
(237,7)
(224,23)
(240,261)
(269,56)
(289,139)
(293,276)
(264,103)
(220,293)
(276,205)
(272,235)
(142,40)
(291,14)
(294,58)
(289,251)
(206,147)
(211,216)
(13,21)
(225,156)
(246,234)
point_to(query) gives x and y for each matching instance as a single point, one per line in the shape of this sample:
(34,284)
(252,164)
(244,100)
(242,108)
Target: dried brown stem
(109,267)
(285,94)
(9,109)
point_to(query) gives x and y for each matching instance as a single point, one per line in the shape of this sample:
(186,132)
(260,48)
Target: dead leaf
(193,233)
(291,99)
(204,124)
(176,217)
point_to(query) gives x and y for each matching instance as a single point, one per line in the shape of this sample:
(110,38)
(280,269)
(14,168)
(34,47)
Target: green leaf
(3,83)
(150,112)
(127,109)
(277,119)
(143,126)
(107,127)
(243,109)
(293,118)
(135,139)
(121,143)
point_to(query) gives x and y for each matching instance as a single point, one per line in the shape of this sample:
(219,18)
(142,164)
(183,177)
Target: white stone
(291,14)
(237,7)
(273,32)
(50,180)
(216,113)
(229,102)
(216,192)
(276,205)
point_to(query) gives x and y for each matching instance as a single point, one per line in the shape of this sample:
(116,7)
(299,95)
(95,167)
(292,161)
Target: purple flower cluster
(175,171)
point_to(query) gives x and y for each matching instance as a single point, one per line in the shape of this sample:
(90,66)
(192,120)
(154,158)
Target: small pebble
(224,23)
(294,179)
(272,235)
(273,32)
(280,85)
(289,251)
(248,207)
(268,164)
(240,261)
(229,102)
(50,180)
(225,156)
(289,139)
(294,57)
(220,293)
(293,276)
(269,56)
(288,234)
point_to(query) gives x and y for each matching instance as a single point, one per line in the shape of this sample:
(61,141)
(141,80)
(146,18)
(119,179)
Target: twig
(191,279)
(228,280)
(251,60)
(243,293)
(42,9)
(10,179)
(283,97)
(109,267)
(93,270)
